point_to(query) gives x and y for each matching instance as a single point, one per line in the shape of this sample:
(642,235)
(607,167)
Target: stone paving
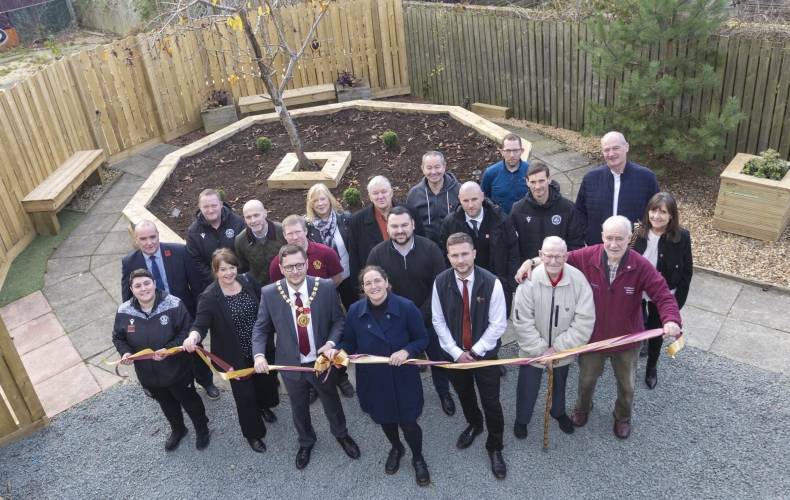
(63,332)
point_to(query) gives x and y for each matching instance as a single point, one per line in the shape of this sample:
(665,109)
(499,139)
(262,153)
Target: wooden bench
(305,96)
(49,197)
(491,111)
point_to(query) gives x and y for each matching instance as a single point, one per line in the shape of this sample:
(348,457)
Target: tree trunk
(279,105)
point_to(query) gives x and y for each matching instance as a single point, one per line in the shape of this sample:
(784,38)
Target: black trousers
(529,378)
(487,380)
(180,394)
(653,320)
(252,396)
(299,394)
(203,374)
(412,433)
(439,376)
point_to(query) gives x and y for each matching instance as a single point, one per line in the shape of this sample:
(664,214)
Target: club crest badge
(229,233)
(203,235)
(529,218)
(556,220)
(317,264)
(163,320)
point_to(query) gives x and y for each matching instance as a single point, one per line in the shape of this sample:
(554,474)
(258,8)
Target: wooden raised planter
(750,206)
(217,118)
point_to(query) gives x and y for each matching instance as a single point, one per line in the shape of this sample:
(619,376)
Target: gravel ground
(696,190)
(88,195)
(713,428)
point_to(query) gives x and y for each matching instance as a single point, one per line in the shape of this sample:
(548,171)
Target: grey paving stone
(115,243)
(713,293)
(86,310)
(109,275)
(700,327)
(93,338)
(69,290)
(138,165)
(127,184)
(60,269)
(755,345)
(524,133)
(159,151)
(770,308)
(547,147)
(98,261)
(94,223)
(110,205)
(78,246)
(111,354)
(568,160)
(121,225)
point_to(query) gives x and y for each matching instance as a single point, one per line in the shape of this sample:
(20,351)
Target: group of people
(438,275)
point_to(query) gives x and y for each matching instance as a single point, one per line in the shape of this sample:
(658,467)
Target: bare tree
(264,28)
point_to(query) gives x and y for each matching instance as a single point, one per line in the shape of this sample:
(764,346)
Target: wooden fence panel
(540,71)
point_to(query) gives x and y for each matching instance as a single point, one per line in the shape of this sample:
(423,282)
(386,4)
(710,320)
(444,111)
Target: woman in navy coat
(388,325)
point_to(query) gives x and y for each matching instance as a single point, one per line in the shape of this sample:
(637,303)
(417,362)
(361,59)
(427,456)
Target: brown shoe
(622,428)
(578,418)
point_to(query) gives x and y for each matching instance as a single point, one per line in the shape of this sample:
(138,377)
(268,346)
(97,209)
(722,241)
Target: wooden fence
(539,70)
(125,97)
(21,412)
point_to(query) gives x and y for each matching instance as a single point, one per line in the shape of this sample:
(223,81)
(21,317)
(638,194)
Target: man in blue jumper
(506,182)
(618,188)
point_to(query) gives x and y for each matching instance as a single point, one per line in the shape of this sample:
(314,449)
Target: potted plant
(219,110)
(754,196)
(351,88)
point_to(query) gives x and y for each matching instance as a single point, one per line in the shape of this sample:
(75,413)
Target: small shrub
(217,99)
(222,195)
(347,80)
(768,166)
(390,139)
(264,144)
(352,197)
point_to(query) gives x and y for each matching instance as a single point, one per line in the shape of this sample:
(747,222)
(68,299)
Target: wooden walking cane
(548,407)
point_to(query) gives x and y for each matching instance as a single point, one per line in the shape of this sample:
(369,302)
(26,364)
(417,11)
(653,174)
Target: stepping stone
(25,309)
(66,389)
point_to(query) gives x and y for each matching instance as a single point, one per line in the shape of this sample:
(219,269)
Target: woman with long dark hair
(662,241)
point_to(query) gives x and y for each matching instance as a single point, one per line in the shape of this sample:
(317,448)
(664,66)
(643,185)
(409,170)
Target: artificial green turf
(26,274)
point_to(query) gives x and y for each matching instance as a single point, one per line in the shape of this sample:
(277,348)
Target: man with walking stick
(553,311)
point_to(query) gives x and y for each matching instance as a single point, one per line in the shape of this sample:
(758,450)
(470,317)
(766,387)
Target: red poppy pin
(481,299)
(167,253)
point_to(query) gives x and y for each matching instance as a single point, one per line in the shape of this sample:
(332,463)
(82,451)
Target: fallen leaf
(155,431)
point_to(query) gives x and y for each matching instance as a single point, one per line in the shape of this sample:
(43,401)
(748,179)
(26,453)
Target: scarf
(327,230)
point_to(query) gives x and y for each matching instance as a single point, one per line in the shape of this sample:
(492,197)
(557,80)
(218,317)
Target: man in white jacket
(552,312)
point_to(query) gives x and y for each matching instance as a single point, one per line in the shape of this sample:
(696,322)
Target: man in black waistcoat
(469,318)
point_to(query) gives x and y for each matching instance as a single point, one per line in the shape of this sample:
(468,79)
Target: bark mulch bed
(240,169)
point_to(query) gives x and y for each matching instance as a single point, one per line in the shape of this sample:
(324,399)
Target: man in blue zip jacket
(506,182)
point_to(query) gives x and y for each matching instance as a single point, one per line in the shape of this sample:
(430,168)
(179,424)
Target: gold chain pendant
(303,320)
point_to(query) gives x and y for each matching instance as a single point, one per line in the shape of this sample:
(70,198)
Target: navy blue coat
(182,276)
(389,394)
(596,195)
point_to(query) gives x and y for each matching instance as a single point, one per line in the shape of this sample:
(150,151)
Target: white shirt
(616,192)
(161,265)
(497,319)
(342,252)
(479,219)
(304,294)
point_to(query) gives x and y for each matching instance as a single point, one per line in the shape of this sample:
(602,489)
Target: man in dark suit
(175,272)
(287,307)
(369,225)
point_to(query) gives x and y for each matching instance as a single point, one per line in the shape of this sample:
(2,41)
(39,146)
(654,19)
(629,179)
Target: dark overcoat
(389,394)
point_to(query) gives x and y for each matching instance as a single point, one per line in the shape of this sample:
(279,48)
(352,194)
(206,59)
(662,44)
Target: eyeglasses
(549,258)
(512,151)
(291,267)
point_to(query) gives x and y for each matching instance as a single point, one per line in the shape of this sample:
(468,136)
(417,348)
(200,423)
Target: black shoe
(467,437)
(175,437)
(346,388)
(202,438)
(643,350)
(421,472)
(257,445)
(498,466)
(211,391)
(349,446)
(148,393)
(393,461)
(520,430)
(651,377)
(303,457)
(566,425)
(268,416)
(313,395)
(448,405)
(502,370)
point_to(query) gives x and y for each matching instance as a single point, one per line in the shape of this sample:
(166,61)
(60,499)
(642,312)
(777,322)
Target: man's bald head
(470,187)
(255,217)
(146,237)
(252,205)
(471,197)
(143,224)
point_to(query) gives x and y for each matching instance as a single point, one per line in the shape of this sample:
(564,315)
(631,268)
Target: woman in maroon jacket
(667,246)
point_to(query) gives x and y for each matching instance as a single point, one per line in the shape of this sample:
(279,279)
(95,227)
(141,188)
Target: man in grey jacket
(553,312)
(435,196)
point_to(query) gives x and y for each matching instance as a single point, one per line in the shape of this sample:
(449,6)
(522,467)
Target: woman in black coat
(153,319)
(384,324)
(229,308)
(667,246)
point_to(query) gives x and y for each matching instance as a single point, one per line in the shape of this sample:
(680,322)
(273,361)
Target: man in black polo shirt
(412,263)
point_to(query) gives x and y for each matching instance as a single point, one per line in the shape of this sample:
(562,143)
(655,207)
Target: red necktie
(467,325)
(304,340)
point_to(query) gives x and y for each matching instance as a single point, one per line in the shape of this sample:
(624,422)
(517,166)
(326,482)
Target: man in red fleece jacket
(618,278)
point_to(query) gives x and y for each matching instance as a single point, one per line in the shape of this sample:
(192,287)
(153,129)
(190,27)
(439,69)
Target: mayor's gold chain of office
(302,320)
